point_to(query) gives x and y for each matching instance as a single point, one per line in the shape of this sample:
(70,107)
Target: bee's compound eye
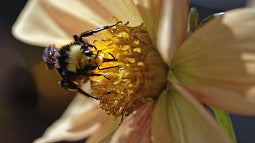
(50,56)
(88,53)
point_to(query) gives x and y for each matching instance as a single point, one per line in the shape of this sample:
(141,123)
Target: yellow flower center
(138,76)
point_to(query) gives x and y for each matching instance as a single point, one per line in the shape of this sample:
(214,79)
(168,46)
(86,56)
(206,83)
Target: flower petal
(35,27)
(78,16)
(150,12)
(136,128)
(43,22)
(172,27)
(123,10)
(104,133)
(217,62)
(67,127)
(180,118)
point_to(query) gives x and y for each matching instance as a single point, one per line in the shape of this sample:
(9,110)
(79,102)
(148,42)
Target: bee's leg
(112,56)
(94,74)
(69,85)
(109,60)
(91,32)
(106,59)
(106,67)
(99,51)
(91,45)
(86,43)
(76,38)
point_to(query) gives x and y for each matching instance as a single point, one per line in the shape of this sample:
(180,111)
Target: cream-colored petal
(104,133)
(136,128)
(150,11)
(106,139)
(43,22)
(217,62)
(66,128)
(123,10)
(34,26)
(172,27)
(179,118)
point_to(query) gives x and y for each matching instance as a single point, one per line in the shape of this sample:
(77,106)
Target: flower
(214,65)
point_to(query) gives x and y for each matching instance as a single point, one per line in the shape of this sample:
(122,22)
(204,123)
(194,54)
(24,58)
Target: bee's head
(50,57)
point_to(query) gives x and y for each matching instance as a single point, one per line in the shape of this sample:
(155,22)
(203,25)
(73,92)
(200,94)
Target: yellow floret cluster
(138,76)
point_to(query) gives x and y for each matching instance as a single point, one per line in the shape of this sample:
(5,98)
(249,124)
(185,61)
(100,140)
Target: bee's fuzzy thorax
(76,59)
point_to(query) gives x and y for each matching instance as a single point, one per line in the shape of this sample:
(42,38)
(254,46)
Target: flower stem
(225,123)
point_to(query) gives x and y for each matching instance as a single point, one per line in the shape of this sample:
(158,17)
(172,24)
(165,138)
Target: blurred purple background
(25,114)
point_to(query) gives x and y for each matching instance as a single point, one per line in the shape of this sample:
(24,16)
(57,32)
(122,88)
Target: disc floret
(139,75)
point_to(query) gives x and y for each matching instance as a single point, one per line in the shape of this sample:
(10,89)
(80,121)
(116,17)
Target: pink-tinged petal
(123,10)
(70,126)
(172,27)
(217,62)
(104,133)
(136,128)
(75,17)
(179,118)
(150,11)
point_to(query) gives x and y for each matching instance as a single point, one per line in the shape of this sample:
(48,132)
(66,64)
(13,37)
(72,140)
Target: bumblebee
(76,61)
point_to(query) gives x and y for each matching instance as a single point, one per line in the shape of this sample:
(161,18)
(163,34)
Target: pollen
(137,77)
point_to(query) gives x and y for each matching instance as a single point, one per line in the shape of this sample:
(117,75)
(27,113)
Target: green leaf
(192,20)
(225,123)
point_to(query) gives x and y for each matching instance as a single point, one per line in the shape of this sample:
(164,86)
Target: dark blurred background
(26,109)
